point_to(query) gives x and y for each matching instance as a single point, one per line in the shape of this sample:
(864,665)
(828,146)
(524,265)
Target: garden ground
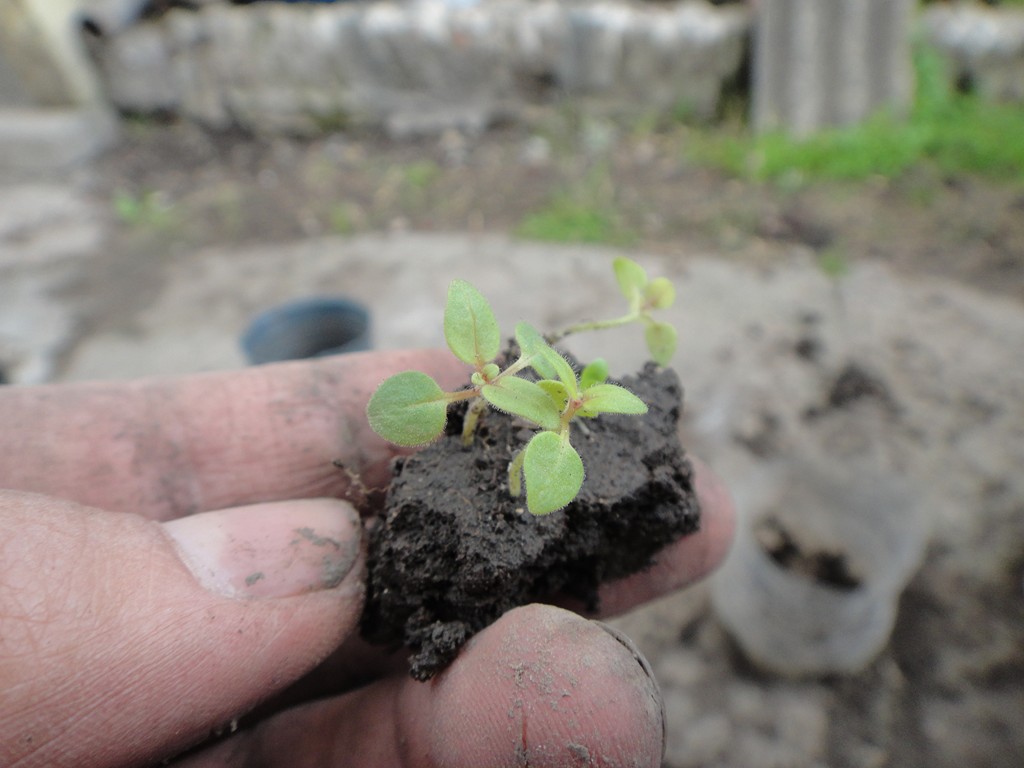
(152,260)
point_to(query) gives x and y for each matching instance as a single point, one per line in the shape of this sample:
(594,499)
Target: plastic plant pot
(311,327)
(822,596)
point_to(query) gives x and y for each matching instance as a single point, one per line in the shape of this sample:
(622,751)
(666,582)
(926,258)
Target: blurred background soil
(935,268)
(194,188)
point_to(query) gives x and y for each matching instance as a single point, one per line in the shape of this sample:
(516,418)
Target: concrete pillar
(52,113)
(826,63)
(42,48)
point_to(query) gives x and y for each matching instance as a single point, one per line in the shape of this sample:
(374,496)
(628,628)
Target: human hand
(174,555)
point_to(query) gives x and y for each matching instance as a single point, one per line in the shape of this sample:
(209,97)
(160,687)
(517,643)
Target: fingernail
(645,665)
(272,550)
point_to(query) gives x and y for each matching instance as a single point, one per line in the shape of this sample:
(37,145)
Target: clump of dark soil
(855,383)
(851,385)
(826,567)
(453,551)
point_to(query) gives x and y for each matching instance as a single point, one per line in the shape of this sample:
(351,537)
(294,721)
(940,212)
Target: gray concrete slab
(49,142)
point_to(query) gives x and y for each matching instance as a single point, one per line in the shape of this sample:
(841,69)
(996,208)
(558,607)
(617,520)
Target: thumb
(123,640)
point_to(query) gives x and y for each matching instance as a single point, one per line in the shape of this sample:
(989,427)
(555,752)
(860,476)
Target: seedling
(146,210)
(643,295)
(411,409)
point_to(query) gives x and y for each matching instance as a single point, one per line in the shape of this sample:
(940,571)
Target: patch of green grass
(569,220)
(958,133)
(342,219)
(414,182)
(977,137)
(421,174)
(834,263)
(334,121)
(585,211)
(875,147)
(144,210)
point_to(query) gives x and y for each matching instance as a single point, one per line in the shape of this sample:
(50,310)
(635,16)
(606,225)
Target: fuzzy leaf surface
(611,398)
(470,328)
(553,472)
(523,398)
(631,277)
(660,293)
(557,391)
(532,345)
(408,409)
(563,371)
(661,342)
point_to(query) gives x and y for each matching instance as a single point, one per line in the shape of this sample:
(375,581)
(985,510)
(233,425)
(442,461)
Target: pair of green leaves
(644,295)
(552,467)
(410,408)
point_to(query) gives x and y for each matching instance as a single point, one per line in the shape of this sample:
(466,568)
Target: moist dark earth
(454,551)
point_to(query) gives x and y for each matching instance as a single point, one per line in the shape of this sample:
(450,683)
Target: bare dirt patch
(232,189)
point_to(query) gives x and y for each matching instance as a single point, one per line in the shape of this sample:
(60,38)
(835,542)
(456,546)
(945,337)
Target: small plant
(584,212)
(834,263)
(146,210)
(420,175)
(411,409)
(566,220)
(342,219)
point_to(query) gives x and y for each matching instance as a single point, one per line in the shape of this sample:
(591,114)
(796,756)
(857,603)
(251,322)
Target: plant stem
(460,395)
(516,367)
(515,474)
(593,325)
(473,413)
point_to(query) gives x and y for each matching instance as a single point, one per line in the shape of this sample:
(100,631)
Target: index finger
(172,446)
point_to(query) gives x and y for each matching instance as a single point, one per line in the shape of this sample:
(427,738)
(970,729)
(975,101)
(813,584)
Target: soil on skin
(454,550)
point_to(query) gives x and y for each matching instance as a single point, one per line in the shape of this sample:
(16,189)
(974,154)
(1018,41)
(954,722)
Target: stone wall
(982,45)
(420,66)
(424,65)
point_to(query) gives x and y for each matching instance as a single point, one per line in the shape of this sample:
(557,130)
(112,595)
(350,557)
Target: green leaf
(523,398)
(532,346)
(556,391)
(594,373)
(660,293)
(632,279)
(661,341)
(486,374)
(563,371)
(408,409)
(470,329)
(610,398)
(553,471)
